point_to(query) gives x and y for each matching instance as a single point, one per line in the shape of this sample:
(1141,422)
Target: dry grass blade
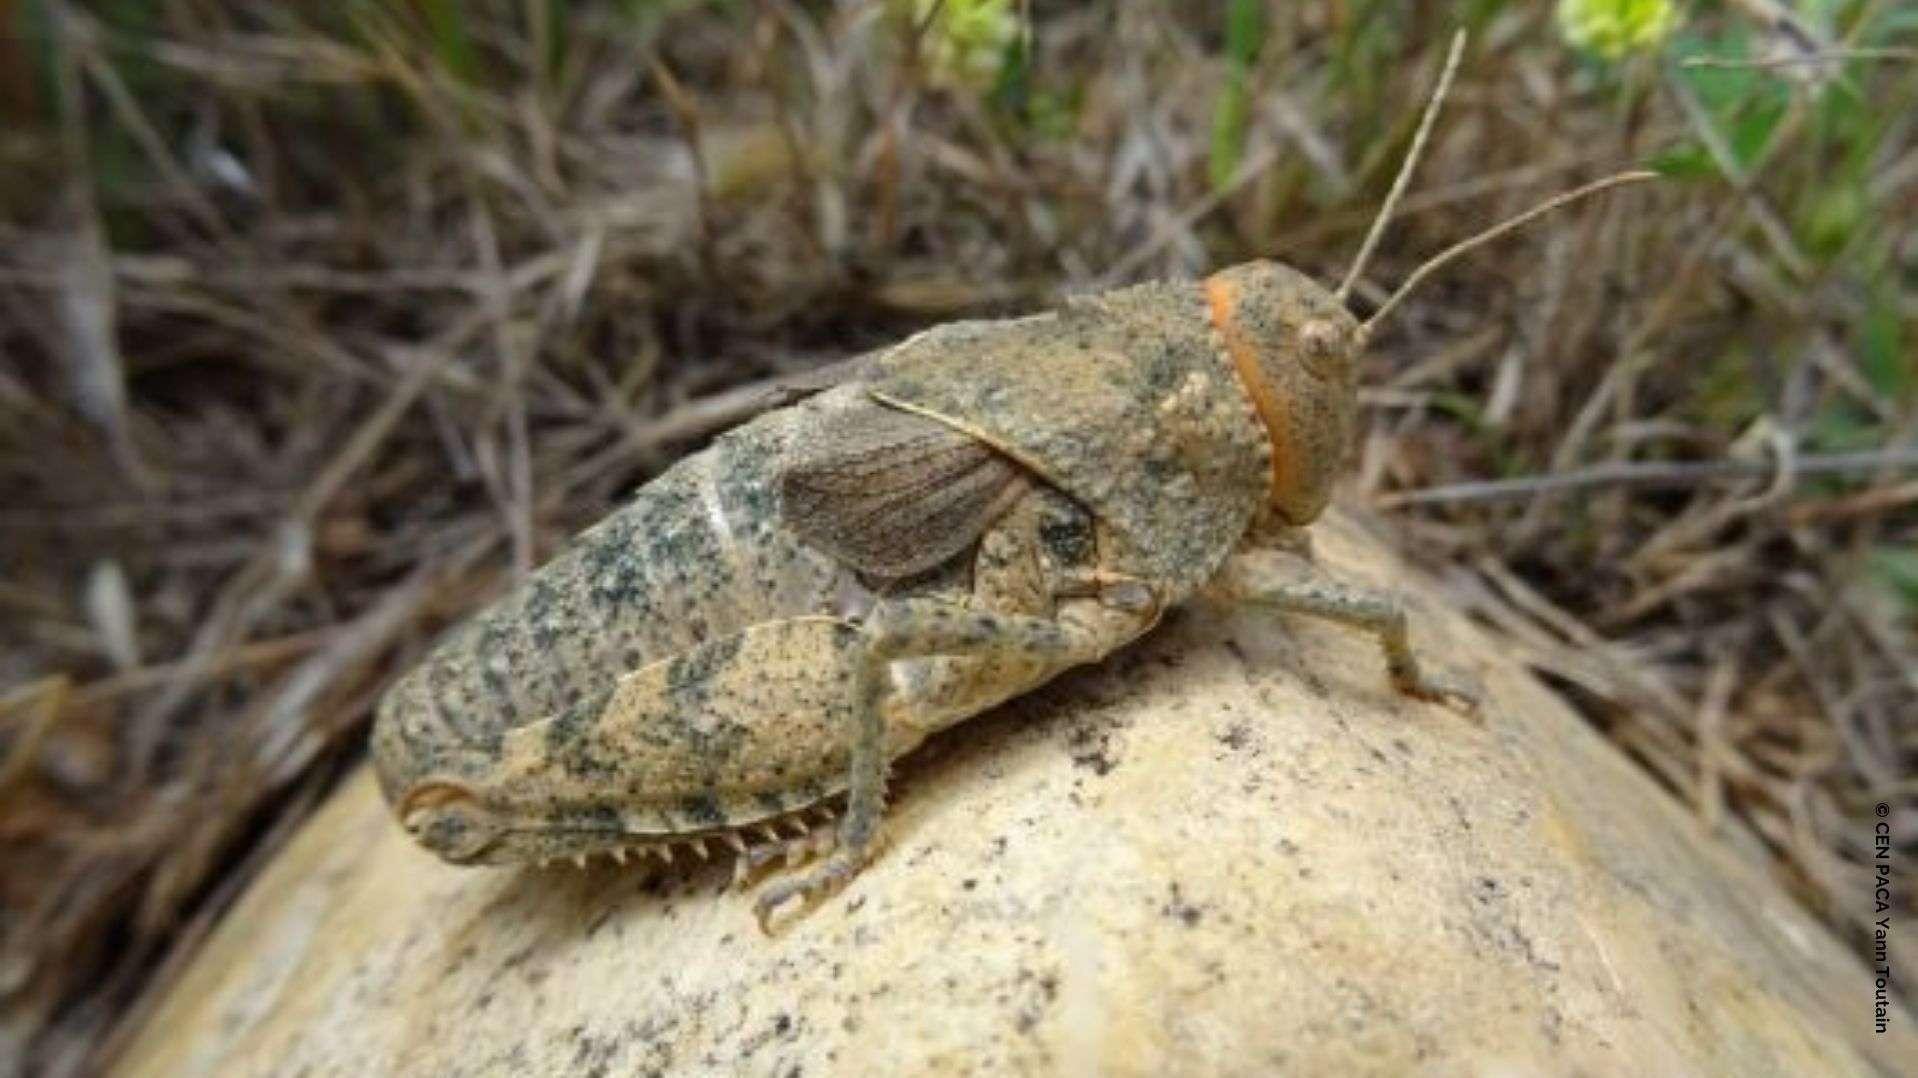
(1677,474)
(1825,57)
(40,703)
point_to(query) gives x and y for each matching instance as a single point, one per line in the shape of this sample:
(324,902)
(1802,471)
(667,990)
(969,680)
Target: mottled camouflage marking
(697,555)
(683,666)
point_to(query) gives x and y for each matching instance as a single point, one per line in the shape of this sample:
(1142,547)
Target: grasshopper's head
(1296,346)
(1296,350)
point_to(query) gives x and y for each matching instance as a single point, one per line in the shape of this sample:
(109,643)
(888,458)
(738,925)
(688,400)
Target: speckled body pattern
(1144,421)
(693,667)
(683,668)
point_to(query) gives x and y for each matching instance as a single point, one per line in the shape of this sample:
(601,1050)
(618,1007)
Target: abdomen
(697,555)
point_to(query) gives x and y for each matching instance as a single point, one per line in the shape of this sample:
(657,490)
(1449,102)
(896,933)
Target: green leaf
(446,24)
(1882,350)
(1011,90)
(1464,408)
(33,22)
(1896,569)
(1836,214)
(1685,161)
(1244,36)
(1228,129)
(1841,428)
(1751,131)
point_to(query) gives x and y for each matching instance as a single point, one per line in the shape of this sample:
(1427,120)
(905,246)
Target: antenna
(1432,265)
(1405,169)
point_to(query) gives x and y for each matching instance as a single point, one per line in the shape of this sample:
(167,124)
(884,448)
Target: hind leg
(908,629)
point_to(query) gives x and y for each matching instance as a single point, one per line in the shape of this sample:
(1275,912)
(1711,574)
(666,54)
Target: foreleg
(1253,580)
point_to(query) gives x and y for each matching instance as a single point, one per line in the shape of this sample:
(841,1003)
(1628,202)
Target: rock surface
(1231,849)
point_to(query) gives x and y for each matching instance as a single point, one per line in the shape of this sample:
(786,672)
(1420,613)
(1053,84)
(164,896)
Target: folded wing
(892,493)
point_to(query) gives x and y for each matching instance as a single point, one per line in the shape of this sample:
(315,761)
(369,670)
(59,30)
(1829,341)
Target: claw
(1444,689)
(759,857)
(822,881)
(579,859)
(699,847)
(619,854)
(763,910)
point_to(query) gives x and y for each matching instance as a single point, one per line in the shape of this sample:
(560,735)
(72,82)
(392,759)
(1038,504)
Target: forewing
(892,493)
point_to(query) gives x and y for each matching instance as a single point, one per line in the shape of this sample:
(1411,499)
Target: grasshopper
(965,515)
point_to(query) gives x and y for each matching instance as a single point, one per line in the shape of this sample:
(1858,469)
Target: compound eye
(1324,346)
(447,820)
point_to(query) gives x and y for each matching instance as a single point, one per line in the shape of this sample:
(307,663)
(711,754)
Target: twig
(686,112)
(49,698)
(1792,61)
(1649,475)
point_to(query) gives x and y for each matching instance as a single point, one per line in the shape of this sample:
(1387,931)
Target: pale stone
(1231,849)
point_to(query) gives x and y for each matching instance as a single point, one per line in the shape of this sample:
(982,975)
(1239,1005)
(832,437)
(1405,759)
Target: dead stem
(1677,474)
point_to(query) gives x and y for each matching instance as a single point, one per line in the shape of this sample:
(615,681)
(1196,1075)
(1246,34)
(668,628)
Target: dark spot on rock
(592,1055)
(1091,747)
(1177,907)
(598,922)
(1458,809)
(1532,957)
